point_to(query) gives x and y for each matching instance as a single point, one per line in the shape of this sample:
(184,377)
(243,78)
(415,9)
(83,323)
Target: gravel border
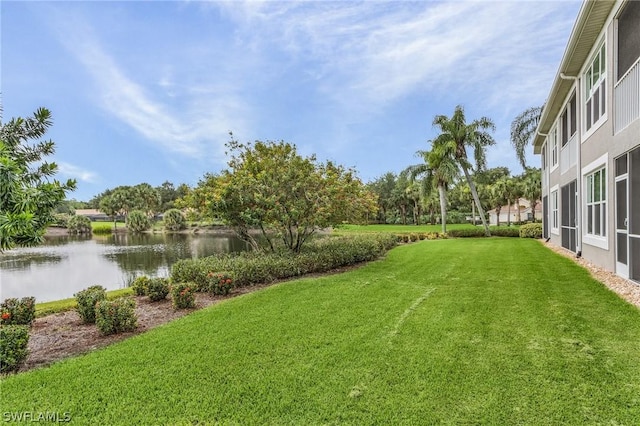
(626,289)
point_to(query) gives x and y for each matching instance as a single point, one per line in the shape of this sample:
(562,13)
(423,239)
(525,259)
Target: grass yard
(407,229)
(465,331)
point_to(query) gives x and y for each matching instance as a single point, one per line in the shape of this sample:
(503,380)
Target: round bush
(13,347)
(79,225)
(174,220)
(87,300)
(157,289)
(531,230)
(140,285)
(18,311)
(183,295)
(116,316)
(137,221)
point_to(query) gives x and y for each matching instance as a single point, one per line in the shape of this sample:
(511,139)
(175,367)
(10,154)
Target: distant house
(525,213)
(588,138)
(93,214)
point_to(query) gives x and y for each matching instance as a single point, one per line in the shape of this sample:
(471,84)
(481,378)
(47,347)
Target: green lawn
(402,229)
(469,331)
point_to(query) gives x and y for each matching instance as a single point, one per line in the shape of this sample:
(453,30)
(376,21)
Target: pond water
(65,265)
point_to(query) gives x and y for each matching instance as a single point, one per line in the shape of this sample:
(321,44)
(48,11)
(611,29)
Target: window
(568,120)
(595,92)
(554,210)
(628,39)
(553,146)
(596,219)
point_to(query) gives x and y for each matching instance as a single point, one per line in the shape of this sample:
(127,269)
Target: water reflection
(65,265)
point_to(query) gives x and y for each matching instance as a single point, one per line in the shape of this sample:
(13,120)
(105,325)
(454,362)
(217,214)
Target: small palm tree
(457,135)
(440,170)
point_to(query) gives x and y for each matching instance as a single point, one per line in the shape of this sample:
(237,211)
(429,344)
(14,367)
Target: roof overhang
(591,19)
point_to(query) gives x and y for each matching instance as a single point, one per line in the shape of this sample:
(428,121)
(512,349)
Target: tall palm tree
(440,170)
(457,135)
(523,128)
(500,196)
(532,187)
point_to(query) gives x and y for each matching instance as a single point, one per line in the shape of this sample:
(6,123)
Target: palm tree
(523,127)
(499,196)
(439,170)
(457,135)
(532,187)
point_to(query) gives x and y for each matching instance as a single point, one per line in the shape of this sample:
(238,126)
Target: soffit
(591,19)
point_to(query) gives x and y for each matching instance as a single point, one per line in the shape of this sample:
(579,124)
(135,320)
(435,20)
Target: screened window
(595,92)
(568,120)
(628,37)
(596,203)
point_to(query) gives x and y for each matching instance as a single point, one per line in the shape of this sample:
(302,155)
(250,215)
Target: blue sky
(148,91)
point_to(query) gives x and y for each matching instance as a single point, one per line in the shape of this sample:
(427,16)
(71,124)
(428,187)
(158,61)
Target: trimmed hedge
(531,230)
(18,311)
(496,231)
(250,268)
(157,289)
(87,300)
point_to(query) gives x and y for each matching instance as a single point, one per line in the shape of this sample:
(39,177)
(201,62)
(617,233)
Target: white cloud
(76,172)
(190,128)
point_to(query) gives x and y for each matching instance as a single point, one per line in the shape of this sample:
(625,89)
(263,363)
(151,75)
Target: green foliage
(87,300)
(61,220)
(140,285)
(219,283)
(56,306)
(174,220)
(102,229)
(183,295)
(157,289)
(116,316)
(496,231)
(250,268)
(523,129)
(79,225)
(269,186)
(28,195)
(531,230)
(13,347)
(18,311)
(137,221)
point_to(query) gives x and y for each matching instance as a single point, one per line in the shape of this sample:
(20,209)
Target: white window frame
(555,210)
(553,147)
(600,83)
(601,241)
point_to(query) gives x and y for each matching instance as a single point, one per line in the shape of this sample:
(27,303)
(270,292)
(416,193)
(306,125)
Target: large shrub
(220,283)
(18,311)
(79,225)
(157,289)
(116,316)
(174,220)
(13,347)
(103,229)
(531,230)
(61,220)
(87,300)
(137,221)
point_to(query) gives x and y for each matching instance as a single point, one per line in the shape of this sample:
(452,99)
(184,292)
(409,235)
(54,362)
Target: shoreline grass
(459,331)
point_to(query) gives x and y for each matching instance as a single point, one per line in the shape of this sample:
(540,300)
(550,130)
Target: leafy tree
(457,135)
(383,188)
(138,221)
(499,196)
(28,195)
(523,128)
(399,197)
(270,187)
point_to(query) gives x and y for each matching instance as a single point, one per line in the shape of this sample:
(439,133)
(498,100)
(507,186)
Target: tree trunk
(472,186)
(498,215)
(473,213)
(509,213)
(443,208)
(403,208)
(518,215)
